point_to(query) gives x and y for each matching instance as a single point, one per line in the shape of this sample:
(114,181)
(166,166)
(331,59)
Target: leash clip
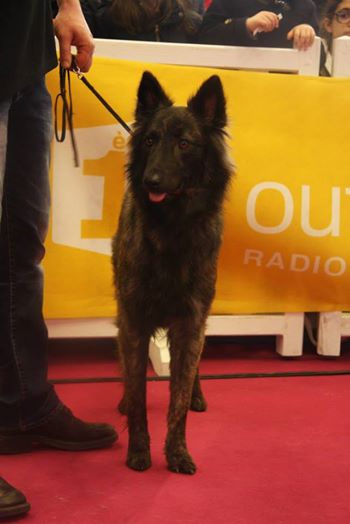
(75,68)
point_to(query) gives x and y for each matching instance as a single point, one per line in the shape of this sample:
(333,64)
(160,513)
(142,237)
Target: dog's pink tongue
(157,197)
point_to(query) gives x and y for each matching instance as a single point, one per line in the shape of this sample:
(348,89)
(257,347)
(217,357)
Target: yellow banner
(286,243)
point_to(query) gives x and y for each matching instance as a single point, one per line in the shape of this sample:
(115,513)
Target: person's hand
(262,22)
(303,36)
(71,29)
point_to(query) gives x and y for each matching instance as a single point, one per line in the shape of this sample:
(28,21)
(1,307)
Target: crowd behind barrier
(252,23)
(256,23)
(289,327)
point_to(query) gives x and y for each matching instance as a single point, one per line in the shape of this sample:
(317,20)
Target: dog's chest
(171,269)
(167,277)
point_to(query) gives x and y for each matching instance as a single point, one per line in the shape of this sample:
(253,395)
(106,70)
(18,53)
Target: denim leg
(4,110)
(26,397)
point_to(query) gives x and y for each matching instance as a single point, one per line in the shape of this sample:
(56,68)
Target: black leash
(65,95)
(67,112)
(224,376)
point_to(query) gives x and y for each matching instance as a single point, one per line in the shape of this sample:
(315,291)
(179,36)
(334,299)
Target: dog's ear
(209,103)
(150,96)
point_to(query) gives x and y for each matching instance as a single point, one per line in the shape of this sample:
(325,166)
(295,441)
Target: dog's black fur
(165,253)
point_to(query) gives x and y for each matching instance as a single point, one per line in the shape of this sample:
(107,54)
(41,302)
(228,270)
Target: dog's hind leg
(134,355)
(186,343)
(198,402)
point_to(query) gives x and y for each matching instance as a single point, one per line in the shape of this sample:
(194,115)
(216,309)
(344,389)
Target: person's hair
(328,12)
(137,16)
(330,8)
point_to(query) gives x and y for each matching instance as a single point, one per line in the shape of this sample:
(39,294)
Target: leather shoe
(62,430)
(12,501)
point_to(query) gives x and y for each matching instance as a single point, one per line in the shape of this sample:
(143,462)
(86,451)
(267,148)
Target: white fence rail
(341,57)
(288,327)
(227,57)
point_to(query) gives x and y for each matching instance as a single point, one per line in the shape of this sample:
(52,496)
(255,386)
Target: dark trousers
(26,397)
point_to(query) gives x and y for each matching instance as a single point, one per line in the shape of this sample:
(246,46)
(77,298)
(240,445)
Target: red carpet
(268,451)
(246,355)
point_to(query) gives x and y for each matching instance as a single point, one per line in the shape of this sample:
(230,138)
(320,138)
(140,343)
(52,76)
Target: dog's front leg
(133,349)
(198,402)
(186,344)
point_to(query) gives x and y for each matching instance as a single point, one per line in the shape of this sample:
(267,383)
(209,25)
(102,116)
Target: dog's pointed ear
(209,103)
(150,96)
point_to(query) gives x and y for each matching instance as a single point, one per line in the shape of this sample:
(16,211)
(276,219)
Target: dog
(165,251)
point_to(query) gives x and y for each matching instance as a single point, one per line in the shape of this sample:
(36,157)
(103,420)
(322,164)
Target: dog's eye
(183,143)
(149,141)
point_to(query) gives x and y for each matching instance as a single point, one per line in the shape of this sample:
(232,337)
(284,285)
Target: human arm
(262,22)
(223,25)
(304,32)
(72,30)
(303,36)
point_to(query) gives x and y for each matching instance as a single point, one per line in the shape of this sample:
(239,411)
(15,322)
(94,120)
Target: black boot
(62,430)
(12,501)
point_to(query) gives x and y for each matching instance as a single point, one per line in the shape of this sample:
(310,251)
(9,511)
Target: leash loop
(65,97)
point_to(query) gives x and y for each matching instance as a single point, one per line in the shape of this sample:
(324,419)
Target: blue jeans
(26,397)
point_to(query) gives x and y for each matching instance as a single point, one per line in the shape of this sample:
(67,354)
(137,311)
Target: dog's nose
(152,181)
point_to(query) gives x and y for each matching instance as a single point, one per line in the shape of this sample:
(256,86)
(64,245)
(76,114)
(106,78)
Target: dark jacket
(27,44)
(225,22)
(103,25)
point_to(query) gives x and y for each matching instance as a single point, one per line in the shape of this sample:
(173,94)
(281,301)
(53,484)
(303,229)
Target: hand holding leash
(71,29)
(65,96)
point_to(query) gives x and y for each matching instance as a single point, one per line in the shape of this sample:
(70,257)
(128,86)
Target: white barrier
(334,325)
(341,57)
(288,327)
(227,57)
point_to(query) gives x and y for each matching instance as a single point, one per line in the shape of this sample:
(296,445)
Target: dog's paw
(182,464)
(139,461)
(198,404)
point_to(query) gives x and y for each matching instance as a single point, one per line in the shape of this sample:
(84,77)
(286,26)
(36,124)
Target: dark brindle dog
(165,253)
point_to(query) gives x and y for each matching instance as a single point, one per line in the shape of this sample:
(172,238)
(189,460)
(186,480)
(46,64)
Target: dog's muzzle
(156,190)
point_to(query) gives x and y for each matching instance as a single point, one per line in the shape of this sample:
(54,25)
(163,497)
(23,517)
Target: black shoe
(12,501)
(61,431)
